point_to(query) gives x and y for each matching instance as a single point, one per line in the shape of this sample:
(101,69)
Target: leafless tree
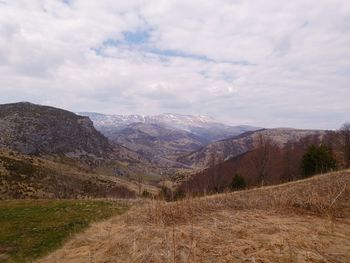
(216,176)
(345,142)
(139,183)
(262,157)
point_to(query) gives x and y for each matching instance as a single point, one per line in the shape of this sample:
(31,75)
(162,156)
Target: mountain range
(91,152)
(204,127)
(163,138)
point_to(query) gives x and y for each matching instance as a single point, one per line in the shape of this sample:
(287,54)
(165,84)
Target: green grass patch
(31,228)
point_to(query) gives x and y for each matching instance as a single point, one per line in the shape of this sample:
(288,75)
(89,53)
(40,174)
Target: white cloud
(268,63)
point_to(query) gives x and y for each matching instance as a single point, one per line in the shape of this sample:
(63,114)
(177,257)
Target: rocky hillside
(35,129)
(156,140)
(229,148)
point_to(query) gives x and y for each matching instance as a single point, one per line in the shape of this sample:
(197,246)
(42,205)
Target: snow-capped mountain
(182,121)
(203,126)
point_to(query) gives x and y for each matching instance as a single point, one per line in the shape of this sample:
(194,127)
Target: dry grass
(305,221)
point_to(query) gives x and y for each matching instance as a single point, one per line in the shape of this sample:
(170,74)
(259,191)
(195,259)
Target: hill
(34,129)
(303,221)
(229,148)
(24,176)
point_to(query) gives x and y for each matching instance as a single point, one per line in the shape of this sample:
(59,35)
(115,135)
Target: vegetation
(237,183)
(318,159)
(179,194)
(345,142)
(32,228)
(302,221)
(146,194)
(32,177)
(165,193)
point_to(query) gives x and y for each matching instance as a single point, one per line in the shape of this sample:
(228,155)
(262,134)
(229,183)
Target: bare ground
(304,221)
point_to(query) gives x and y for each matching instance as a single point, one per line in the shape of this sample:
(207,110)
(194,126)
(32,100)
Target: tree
(139,183)
(318,159)
(345,142)
(216,175)
(237,183)
(262,157)
(166,194)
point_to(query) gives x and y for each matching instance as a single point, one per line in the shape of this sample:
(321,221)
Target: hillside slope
(23,176)
(34,129)
(303,221)
(235,146)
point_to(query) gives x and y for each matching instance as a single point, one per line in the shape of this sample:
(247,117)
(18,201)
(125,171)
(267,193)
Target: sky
(265,63)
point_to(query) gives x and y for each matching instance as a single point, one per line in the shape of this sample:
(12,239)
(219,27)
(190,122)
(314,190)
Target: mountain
(204,127)
(50,152)
(235,146)
(162,138)
(34,129)
(274,157)
(155,141)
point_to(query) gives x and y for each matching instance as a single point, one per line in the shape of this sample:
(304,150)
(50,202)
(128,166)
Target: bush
(146,194)
(179,194)
(237,183)
(318,159)
(166,194)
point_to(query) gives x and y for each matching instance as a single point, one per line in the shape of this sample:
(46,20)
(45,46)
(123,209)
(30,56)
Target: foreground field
(31,228)
(305,221)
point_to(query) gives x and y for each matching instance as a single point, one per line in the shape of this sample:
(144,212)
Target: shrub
(146,194)
(179,194)
(166,194)
(237,183)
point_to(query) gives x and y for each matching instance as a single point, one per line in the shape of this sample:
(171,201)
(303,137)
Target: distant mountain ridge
(202,126)
(162,138)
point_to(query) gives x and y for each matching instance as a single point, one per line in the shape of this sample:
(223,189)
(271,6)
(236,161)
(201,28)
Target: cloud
(267,63)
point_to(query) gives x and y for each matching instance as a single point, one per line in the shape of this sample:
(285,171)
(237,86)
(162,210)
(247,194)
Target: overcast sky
(262,62)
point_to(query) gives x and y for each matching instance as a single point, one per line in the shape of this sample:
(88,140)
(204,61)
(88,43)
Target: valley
(198,190)
(174,131)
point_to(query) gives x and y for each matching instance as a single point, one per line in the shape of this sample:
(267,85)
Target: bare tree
(288,174)
(139,180)
(262,157)
(216,175)
(345,142)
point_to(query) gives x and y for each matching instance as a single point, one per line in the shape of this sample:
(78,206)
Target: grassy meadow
(30,229)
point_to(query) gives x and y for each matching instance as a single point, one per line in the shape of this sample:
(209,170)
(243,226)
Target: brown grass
(304,221)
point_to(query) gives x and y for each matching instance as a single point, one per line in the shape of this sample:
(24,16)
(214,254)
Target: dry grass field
(303,221)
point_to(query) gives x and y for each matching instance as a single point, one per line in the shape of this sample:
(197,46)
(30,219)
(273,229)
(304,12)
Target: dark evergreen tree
(318,159)
(237,183)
